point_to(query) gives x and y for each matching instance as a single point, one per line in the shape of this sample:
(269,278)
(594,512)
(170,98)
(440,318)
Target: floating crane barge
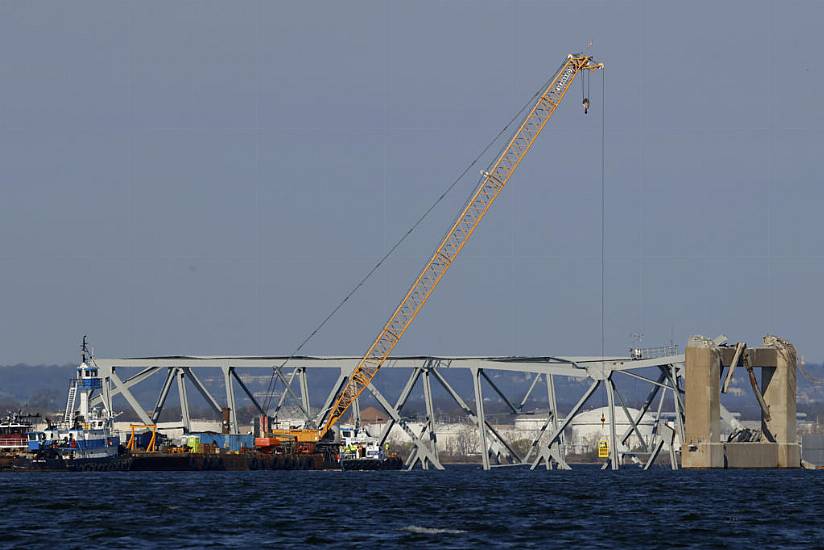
(316,445)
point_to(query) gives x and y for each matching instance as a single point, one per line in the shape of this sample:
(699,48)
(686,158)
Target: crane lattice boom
(490,186)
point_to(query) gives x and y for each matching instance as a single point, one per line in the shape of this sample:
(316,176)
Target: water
(462,506)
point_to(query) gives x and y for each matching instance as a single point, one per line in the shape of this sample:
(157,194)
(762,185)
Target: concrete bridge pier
(778,445)
(702,431)
(778,385)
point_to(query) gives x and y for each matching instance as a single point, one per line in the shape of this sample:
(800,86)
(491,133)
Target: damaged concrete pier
(777,445)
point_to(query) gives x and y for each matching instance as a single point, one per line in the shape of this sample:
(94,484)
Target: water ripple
(460,507)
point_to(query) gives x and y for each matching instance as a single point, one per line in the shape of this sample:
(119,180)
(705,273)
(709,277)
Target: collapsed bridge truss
(121,376)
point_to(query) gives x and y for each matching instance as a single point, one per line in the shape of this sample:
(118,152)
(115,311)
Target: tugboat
(360,451)
(84,439)
(13,439)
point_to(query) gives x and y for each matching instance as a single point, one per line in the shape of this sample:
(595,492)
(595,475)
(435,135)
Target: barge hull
(153,462)
(175,462)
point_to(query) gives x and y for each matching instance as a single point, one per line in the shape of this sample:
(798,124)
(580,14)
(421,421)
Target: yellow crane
(490,186)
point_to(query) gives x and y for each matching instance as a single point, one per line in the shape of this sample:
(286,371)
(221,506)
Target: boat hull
(58,464)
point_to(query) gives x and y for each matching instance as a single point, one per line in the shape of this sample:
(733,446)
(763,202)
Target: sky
(212,177)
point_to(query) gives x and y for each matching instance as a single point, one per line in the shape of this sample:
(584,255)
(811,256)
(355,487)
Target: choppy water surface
(462,506)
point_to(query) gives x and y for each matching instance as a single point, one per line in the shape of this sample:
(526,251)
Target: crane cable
(613,389)
(273,379)
(603,223)
(603,205)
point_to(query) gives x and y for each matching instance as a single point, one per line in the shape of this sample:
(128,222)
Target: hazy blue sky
(210,177)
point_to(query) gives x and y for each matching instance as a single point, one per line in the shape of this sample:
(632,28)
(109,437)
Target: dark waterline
(462,506)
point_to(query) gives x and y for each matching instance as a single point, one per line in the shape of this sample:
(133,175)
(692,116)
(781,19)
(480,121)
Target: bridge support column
(778,385)
(702,445)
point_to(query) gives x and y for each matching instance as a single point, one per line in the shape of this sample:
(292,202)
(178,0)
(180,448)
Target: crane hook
(585,103)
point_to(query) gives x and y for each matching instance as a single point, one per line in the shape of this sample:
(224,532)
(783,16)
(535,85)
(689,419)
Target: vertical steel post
(430,411)
(553,410)
(185,419)
(479,411)
(230,399)
(673,457)
(679,413)
(613,448)
(304,392)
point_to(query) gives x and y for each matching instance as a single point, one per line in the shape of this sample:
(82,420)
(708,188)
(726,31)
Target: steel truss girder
(425,368)
(575,367)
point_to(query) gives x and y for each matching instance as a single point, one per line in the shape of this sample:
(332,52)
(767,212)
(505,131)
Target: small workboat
(84,439)
(361,451)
